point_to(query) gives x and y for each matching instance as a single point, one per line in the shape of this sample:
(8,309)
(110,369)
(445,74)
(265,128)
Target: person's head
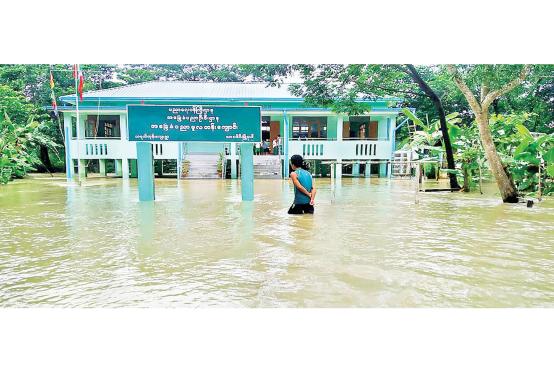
(296,161)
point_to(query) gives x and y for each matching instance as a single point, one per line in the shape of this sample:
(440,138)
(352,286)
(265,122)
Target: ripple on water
(200,245)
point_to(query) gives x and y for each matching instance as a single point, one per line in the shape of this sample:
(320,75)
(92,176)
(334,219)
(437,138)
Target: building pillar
(145,169)
(367,169)
(123,127)
(285,145)
(338,171)
(134,172)
(82,166)
(247,171)
(102,166)
(67,142)
(233,157)
(356,169)
(340,122)
(118,168)
(382,170)
(80,137)
(125,168)
(392,138)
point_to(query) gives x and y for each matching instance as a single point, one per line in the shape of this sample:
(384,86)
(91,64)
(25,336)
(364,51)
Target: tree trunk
(495,107)
(505,184)
(467,187)
(45,158)
(442,119)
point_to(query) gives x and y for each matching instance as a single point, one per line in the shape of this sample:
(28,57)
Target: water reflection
(198,244)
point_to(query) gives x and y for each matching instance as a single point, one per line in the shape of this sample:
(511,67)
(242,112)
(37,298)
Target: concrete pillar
(80,137)
(123,127)
(118,168)
(285,146)
(247,171)
(67,142)
(134,172)
(356,169)
(382,170)
(102,163)
(392,137)
(338,171)
(233,156)
(125,167)
(82,165)
(145,167)
(340,122)
(367,172)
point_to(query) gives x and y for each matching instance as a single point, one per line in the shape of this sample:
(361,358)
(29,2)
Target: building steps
(200,166)
(267,166)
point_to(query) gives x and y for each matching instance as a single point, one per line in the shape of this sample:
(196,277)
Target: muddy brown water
(198,245)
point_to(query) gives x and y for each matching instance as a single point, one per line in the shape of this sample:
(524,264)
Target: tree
(20,134)
(493,85)
(133,74)
(437,103)
(339,87)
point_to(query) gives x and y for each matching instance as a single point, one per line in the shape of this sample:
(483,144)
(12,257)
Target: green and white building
(100,135)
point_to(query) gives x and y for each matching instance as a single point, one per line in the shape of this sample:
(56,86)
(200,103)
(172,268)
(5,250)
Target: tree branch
(475,106)
(399,90)
(506,88)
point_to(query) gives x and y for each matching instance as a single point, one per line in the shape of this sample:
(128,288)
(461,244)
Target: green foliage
(466,146)
(524,153)
(16,147)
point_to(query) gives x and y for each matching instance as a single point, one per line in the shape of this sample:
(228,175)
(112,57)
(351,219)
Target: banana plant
(425,141)
(533,157)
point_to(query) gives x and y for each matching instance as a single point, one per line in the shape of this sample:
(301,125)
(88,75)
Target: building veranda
(99,139)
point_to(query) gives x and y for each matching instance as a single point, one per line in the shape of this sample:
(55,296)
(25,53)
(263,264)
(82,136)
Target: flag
(54,113)
(81,84)
(51,81)
(75,68)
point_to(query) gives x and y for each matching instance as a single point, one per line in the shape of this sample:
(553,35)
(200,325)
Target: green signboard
(194,123)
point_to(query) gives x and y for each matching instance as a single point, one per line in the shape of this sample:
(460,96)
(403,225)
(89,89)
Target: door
(373,126)
(346,129)
(274,132)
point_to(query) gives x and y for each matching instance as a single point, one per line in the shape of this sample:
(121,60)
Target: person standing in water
(304,189)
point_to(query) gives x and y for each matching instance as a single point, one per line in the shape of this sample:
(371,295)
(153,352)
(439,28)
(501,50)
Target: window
(362,127)
(309,127)
(73,127)
(102,126)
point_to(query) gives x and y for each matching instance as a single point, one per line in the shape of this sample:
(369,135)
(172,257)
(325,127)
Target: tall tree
(492,84)
(437,103)
(339,87)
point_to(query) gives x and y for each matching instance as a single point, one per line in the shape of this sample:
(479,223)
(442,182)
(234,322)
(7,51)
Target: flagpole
(79,165)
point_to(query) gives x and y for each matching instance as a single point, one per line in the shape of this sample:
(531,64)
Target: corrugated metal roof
(188,89)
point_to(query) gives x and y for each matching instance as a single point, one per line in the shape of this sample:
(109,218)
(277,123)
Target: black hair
(299,162)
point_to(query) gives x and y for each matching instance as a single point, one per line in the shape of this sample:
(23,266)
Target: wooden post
(539,193)
(480,180)
(417,175)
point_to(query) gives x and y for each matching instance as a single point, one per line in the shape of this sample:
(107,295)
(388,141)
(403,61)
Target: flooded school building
(99,141)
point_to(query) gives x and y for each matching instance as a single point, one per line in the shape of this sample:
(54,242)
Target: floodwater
(198,245)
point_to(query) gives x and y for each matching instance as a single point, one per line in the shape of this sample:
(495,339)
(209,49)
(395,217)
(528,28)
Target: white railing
(332,149)
(312,149)
(117,149)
